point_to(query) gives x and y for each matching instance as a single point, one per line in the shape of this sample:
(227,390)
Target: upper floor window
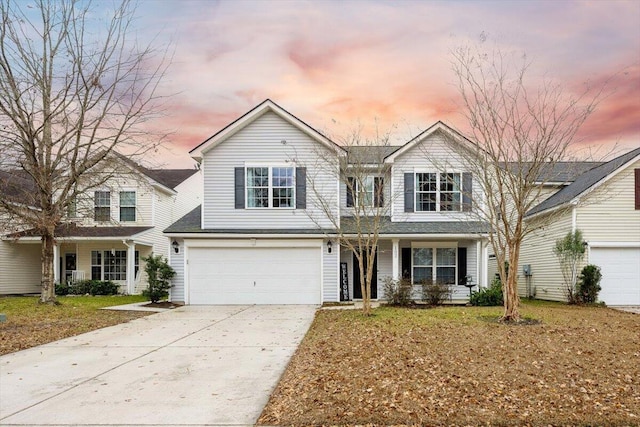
(102,205)
(368,192)
(127,206)
(270,187)
(438,192)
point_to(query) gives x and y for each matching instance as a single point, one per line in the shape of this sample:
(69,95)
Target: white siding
(608,214)
(189,195)
(330,273)
(176,261)
(537,251)
(434,154)
(261,143)
(20,268)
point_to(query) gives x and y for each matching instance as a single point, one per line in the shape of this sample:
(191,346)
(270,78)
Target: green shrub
(589,284)
(491,296)
(62,289)
(92,287)
(398,292)
(435,293)
(159,274)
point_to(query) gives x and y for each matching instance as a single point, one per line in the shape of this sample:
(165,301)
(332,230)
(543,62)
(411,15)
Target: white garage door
(620,269)
(254,276)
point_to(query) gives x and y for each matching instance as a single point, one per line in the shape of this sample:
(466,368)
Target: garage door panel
(254,275)
(620,269)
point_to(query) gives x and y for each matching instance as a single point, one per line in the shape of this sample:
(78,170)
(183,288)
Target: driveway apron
(196,365)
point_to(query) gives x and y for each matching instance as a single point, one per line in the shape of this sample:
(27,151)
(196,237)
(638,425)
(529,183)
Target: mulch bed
(162,304)
(451,366)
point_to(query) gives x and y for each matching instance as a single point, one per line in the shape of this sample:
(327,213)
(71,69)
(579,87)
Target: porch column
(479,264)
(395,266)
(56,263)
(131,267)
(485,261)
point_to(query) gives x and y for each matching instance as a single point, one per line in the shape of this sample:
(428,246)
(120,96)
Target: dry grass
(457,366)
(30,324)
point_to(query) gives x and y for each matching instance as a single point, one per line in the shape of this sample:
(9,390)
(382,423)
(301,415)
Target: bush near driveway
(30,324)
(457,366)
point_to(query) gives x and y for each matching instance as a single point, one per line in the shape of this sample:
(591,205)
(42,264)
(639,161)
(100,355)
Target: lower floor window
(437,265)
(111,265)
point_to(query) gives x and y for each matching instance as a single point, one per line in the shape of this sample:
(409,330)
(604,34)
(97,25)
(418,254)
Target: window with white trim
(436,265)
(109,265)
(270,187)
(102,205)
(127,206)
(438,192)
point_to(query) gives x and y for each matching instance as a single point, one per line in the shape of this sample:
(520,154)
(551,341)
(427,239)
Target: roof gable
(586,182)
(249,117)
(438,126)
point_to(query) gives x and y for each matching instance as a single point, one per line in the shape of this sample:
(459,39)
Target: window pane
(422,274)
(282,198)
(127,214)
(282,177)
(127,198)
(426,202)
(446,256)
(258,177)
(115,265)
(422,256)
(446,275)
(102,205)
(258,197)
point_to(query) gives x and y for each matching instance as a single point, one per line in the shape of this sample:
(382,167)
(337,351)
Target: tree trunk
(510,288)
(48,293)
(365,286)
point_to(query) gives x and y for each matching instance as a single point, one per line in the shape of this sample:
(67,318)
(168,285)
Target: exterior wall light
(176,246)
(329,246)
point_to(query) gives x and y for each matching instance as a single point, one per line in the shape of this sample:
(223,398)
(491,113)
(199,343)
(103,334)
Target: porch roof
(387,227)
(72,230)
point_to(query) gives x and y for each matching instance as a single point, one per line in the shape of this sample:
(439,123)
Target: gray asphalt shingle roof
(583,182)
(72,230)
(190,223)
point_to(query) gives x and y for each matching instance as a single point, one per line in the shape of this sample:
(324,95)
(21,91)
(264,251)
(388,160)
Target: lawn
(458,366)
(29,323)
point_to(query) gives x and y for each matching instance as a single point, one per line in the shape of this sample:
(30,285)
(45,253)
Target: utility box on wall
(526,270)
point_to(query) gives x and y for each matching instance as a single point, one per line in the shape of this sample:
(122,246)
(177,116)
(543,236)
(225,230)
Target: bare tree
(73,89)
(520,132)
(364,180)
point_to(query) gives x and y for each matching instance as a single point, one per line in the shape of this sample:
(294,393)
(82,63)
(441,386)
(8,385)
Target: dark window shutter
(301,188)
(637,187)
(467,187)
(378,190)
(406,263)
(462,265)
(351,185)
(239,188)
(408,192)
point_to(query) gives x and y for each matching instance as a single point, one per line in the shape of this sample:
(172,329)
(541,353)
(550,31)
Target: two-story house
(106,231)
(266,230)
(603,202)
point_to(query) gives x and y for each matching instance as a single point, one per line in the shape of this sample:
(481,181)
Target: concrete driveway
(196,365)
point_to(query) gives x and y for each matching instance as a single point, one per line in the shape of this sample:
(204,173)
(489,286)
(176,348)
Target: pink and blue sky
(340,64)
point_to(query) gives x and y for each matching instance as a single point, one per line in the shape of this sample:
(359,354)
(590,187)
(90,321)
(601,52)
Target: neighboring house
(264,233)
(604,203)
(106,232)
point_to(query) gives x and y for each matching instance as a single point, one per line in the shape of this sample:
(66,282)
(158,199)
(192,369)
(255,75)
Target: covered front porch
(452,254)
(99,253)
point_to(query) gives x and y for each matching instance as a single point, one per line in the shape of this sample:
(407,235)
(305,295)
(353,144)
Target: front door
(357,290)
(69,266)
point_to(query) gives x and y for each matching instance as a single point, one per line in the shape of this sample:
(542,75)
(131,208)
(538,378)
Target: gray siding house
(265,231)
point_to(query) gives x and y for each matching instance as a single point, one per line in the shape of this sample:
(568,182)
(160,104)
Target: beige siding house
(603,203)
(107,232)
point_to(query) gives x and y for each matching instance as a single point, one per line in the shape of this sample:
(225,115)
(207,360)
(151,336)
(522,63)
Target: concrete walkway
(195,366)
